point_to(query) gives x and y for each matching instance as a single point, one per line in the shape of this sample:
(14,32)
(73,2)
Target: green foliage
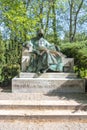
(78,51)
(13,52)
(16,19)
(23,17)
(2,57)
(10,71)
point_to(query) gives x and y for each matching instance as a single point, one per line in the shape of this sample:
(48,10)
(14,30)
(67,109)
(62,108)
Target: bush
(2,57)
(10,71)
(78,51)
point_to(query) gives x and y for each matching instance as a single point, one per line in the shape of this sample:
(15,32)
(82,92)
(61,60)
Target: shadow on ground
(78,97)
(6,88)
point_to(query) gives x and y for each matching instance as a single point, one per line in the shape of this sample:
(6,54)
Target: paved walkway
(18,125)
(5,94)
(78,97)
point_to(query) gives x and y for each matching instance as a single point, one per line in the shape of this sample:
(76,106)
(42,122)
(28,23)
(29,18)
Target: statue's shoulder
(44,40)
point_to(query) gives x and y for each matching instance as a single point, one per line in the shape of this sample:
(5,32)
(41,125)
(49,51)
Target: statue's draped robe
(40,60)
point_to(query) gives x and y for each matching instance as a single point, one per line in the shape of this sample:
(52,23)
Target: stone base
(68,64)
(47,75)
(46,84)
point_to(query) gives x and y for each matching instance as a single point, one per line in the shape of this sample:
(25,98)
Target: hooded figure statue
(44,56)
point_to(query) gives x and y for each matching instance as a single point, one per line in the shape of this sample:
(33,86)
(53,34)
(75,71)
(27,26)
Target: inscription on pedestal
(47,85)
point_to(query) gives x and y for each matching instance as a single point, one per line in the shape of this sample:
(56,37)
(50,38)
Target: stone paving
(78,97)
(6,94)
(19,125)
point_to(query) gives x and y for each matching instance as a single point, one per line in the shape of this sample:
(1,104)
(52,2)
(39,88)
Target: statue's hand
(55,53)
(42,53)
(42,50)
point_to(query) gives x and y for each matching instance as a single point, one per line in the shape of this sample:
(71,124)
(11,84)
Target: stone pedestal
(68,64)
(48,84)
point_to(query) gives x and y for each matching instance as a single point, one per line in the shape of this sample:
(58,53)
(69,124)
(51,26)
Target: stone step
(42,105)
(48,85)
(58,75)
(75,97)
(43,114)
(47,75)
(26,75)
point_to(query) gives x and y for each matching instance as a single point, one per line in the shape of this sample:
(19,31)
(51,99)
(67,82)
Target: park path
(6,96)
(17,125)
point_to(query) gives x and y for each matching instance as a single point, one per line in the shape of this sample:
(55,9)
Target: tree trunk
(74,11)
(54,22)
(47,22)
(41,13)
(70,28)
(75,18)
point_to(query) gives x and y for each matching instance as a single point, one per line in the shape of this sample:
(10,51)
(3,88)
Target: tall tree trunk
(73,18)
(54,22)
(70,28)
(47,22)
(41,13)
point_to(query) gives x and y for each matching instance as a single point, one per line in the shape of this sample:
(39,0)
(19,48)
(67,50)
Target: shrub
(10,71)
(78,51)
(2,57)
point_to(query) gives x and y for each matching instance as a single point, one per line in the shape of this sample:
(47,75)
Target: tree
(2,57)
(54,21)
(75,8)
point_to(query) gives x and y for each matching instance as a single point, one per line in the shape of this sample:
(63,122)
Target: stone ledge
(48,85)
(42,105)
(44,114)
(47,75)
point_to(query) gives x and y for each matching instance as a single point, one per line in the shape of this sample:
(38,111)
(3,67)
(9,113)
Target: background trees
(62,21)
(2,57)
(24,17)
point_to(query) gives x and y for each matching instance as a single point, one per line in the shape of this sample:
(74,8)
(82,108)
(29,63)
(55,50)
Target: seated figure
(44,56)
